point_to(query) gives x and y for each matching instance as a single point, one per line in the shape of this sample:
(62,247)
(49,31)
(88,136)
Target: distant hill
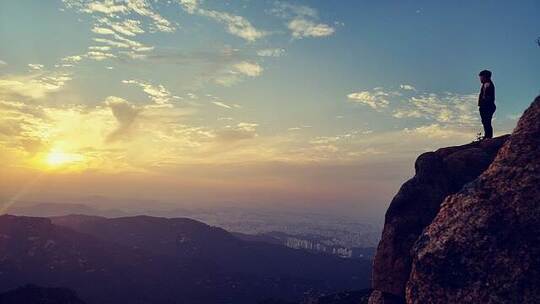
(146,259)
(59,209)
(345,297)
(31,294)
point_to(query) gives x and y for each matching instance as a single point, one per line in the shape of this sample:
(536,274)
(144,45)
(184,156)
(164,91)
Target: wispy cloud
(99,56)
(271,52)
(35,85)
(376,99)
(115,9)
(301,28)
(35,66)
(437,131)
(445,108)
(222,104)
(287,10)
(125,114)
(302,21)
(103,31)
(407,87)
(20,126)
(235,24)
(74,58)
(238,71)
(248,68)
(115,19)
(240,131)
(128,27)
(107,7)
(157,93)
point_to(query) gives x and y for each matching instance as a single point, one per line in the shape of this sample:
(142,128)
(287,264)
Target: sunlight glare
(58,158)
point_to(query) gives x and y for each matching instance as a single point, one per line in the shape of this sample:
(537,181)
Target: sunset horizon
(194,102)
(269,152)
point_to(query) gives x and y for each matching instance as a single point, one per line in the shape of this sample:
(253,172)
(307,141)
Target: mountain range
(145,259)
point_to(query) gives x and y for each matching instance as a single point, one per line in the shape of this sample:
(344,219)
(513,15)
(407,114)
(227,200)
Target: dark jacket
(487,95)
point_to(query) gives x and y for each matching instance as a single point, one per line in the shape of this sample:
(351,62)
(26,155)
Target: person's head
(485,76)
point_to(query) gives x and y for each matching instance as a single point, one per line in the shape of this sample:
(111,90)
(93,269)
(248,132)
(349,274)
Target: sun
(58,158)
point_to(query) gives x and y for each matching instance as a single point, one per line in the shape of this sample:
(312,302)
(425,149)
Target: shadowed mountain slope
(146,259)
(31,294)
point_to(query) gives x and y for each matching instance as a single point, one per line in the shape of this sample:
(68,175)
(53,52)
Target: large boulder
(484,244)
(438,174)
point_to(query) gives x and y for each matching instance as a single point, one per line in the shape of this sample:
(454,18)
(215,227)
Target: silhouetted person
(486,102)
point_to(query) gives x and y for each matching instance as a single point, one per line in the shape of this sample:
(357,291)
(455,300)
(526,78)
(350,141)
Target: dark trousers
(486,113)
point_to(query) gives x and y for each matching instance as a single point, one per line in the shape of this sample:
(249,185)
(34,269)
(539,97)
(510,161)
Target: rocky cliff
(438,174)
(466,227)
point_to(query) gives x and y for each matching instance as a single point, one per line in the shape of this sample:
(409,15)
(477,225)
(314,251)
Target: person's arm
(489,93)
(480,94)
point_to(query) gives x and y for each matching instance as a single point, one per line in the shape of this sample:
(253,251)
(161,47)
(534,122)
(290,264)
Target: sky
(297,105)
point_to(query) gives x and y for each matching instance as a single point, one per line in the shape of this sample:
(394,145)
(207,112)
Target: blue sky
(290,101)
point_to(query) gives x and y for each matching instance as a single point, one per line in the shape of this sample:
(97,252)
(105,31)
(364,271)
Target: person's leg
(488,128)
(485,123)
(487,115)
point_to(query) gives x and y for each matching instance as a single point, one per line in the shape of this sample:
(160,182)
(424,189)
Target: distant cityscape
(336,235)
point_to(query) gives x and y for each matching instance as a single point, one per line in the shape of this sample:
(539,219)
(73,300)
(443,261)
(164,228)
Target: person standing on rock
(486,102)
